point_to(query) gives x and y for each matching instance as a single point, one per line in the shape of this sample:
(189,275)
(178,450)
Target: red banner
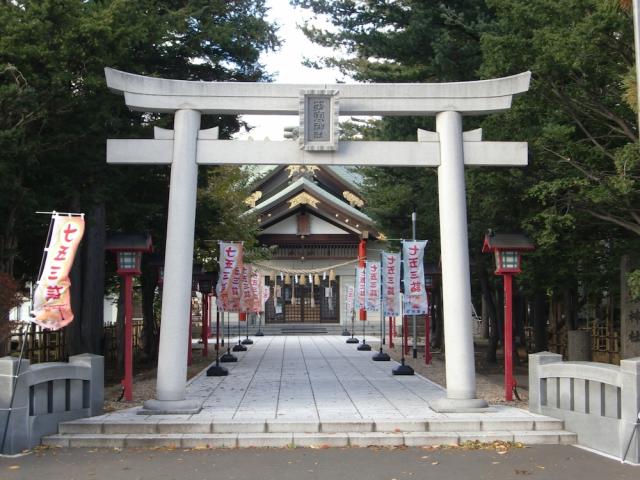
(52,298)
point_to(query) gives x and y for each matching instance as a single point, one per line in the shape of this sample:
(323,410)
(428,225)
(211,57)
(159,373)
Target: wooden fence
(48,346)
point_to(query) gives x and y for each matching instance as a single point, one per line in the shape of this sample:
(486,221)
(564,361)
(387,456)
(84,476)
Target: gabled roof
(325,200)
(506,241)
(349,177)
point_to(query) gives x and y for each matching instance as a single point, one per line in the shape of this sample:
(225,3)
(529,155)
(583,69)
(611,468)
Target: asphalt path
(539,462)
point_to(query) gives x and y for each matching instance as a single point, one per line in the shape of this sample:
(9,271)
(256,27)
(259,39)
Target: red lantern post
(129,249)
(507,249)
(362,258)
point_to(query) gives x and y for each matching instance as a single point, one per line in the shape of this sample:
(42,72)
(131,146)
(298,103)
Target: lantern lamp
(507,249)
(128,262)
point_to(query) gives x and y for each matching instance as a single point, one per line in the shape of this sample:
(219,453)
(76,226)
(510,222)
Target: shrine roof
(310,187)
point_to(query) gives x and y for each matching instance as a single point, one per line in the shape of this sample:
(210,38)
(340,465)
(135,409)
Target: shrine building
(311,219)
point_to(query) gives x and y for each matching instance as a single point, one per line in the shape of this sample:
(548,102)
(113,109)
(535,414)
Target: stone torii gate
(319,106)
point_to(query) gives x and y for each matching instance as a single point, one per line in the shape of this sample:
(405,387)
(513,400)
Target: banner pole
(216,370)
(228,357)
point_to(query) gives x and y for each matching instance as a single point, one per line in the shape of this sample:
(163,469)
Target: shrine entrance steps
(302,329)
(310,391)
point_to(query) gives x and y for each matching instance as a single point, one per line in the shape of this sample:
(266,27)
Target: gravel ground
(488,378)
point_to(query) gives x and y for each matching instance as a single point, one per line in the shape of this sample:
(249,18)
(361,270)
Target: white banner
(391,283)
(52,298)
(414,288)
(372,287)
(350,300)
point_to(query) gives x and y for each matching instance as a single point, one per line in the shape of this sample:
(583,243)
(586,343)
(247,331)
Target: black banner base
(217,371)
(403,370)
(381,357)
(227,358)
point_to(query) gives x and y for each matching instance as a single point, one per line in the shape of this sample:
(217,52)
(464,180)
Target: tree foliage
(57,111)
(579,196)
(56,114)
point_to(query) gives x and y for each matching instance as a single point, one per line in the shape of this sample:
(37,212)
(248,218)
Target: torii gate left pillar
(186,147)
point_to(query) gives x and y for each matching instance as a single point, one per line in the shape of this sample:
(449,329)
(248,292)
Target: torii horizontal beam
(149,94)
(390,154)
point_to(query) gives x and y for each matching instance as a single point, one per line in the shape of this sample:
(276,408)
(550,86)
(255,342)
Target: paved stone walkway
(309,391)
(311,378)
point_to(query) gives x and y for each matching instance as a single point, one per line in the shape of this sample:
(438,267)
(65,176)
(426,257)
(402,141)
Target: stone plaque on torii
(186,147)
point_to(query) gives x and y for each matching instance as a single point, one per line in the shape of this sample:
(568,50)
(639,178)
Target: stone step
(302,439)
(164,426)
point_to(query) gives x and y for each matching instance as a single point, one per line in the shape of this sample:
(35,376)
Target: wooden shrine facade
(310,217)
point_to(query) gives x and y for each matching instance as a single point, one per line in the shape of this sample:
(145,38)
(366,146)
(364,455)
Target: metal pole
(402,369)
(413,317)
(239,347)
(205,325)
(228,356)
(508,338)
(216,370)
(381,356)
(127,383)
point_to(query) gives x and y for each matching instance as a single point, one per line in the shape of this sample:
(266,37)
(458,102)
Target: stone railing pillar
(96,384)
(14,419)
(630,409)
(536,392)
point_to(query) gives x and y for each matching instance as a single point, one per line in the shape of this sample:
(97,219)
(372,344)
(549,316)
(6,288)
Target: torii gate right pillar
(456,287)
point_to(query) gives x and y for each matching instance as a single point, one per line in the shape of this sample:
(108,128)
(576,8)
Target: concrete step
(303,433)
(164,426)
(302,439)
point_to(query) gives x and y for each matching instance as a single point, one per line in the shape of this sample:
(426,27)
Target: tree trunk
(492,317)
(485,318)
(149,327)
(540,315)
(73,331)
(93,285)
(519,314)
(85,333)
(438,320)
(570,305)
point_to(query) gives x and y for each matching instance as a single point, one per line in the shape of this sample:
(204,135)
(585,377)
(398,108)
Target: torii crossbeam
(186,147)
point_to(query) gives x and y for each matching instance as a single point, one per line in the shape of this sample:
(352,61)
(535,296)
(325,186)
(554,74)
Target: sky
(286,67)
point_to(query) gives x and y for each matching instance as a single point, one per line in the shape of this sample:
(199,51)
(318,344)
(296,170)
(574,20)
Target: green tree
(581,182)
(57,114)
